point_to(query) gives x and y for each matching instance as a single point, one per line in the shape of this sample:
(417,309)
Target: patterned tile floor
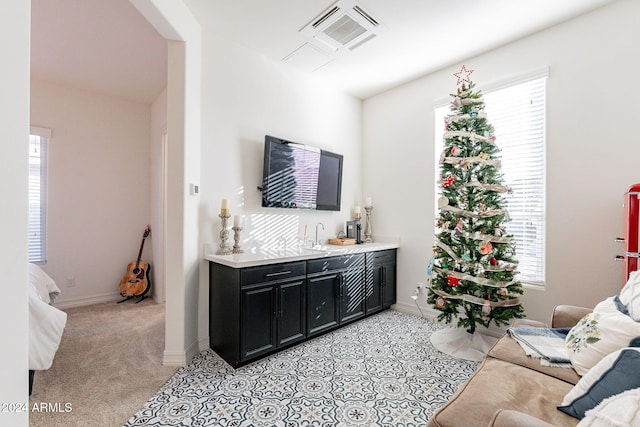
(380,371)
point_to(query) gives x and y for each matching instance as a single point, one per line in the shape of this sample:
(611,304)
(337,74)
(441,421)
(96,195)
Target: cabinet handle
(618,258)
(281,273)
(619,240)
(383,275)
(339,282)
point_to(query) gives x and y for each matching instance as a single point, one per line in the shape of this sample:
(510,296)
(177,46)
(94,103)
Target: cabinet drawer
(388,255)
(335,263)
(272,272)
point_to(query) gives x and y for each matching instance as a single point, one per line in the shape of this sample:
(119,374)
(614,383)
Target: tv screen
(298,176)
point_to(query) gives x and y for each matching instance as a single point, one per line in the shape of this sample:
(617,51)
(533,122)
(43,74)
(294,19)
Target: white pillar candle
(237,221)
(368,202)
(224,207)
(356,212)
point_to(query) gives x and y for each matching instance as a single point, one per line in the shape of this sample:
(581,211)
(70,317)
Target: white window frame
(38,183)
(528,222)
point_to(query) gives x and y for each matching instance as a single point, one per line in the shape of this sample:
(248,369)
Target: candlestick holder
(224,235)
(368,230)
(236,240)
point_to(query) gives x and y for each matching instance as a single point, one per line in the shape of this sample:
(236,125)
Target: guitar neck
(144,237)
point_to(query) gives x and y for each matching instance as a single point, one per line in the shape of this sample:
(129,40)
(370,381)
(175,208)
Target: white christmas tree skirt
(458,343)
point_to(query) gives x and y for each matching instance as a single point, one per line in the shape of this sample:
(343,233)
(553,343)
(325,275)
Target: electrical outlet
(71,282)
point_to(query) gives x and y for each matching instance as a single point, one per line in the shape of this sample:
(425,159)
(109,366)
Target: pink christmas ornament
(486,248)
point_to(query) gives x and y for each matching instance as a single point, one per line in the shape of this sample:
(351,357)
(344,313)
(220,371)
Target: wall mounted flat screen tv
(300,177)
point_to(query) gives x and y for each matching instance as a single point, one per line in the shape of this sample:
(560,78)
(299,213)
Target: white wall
(182,256)
(14,110)
(245,97)
(98,197)
(592,154)
(158,171)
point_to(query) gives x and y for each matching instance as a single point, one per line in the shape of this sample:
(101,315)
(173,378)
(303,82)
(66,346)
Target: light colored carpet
(108,364)
(380,371)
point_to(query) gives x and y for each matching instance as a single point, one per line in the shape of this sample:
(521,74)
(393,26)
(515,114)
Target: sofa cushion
(614,374)
(509,350)
(506,418)
(602,332)
(619,410)
(503,385)
(566,316)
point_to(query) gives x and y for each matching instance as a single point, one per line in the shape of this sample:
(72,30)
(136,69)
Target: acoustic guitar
(136,281)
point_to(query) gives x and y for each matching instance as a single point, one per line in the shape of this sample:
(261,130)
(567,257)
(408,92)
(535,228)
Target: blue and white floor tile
(380,371)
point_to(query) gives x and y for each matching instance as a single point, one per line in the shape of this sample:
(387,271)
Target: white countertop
(255,256)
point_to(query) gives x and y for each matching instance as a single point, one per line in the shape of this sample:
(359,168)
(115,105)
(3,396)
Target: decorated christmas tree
(474,266)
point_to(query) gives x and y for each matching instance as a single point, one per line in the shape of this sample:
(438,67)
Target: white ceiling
(107,46)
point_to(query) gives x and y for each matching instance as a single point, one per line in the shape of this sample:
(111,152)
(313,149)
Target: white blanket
(546,344)
(46,323)
(45,286)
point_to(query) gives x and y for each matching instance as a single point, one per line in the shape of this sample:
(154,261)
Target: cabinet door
(373,286)
(292,325)
(258,321)
(388,284)
(322,303)
(352,294)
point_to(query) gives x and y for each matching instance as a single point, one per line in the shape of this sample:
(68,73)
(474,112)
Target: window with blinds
(38,146)
(516,109)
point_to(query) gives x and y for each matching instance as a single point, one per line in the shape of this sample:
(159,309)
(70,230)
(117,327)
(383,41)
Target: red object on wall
(631,232)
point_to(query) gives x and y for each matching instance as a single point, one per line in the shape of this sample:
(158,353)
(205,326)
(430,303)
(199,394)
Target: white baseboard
(203,344)
(191,352)
(174,358)
(180,358)
(82,301)
(412,308)
(432,314)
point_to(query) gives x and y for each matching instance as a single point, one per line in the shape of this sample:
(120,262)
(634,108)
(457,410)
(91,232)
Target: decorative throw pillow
(622,410)
(614,374)
(602,332)
(630,295)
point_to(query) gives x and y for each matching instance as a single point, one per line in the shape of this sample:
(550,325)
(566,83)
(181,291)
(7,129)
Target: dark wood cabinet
(352,293)
(292,315)
(255,311)
(322,303)
(273,316)
(336,291)
(258,321)
(380,280)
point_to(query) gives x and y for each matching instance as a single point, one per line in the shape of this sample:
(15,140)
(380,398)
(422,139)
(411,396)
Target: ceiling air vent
(341,28)
(365,15)
(326,16)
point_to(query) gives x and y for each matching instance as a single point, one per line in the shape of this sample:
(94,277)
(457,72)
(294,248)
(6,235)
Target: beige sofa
(512,389)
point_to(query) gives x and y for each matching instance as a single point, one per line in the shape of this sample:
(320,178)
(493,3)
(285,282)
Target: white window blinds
(517,113)
(38,147)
